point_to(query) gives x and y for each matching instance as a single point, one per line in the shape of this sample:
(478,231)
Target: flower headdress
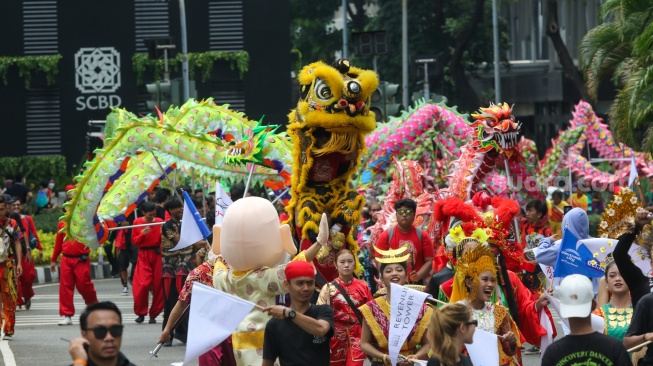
(471,264)
(393,255)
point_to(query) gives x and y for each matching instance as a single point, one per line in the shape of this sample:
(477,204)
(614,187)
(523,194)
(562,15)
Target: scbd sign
(97,71)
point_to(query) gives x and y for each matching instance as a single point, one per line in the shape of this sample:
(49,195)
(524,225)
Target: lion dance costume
(328,130)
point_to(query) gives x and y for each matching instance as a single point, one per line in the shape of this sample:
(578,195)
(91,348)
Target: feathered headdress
(471,264)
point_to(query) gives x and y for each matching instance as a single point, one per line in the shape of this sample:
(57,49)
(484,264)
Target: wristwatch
(291,314)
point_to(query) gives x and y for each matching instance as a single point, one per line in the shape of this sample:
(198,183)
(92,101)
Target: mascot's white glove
(323,234)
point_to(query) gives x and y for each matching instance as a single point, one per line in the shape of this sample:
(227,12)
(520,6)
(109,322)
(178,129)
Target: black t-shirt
(642,323)
(587,349)
(18,190)
(637,282)
(437,280)
(464,361)
(294,346)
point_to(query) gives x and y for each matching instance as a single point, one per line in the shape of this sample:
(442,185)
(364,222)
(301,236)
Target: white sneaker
(7,337)
(125,291)
(66,321)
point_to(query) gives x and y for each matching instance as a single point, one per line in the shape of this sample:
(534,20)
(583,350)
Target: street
(37,339)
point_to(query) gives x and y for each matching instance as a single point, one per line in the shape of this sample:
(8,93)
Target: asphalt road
(37,339)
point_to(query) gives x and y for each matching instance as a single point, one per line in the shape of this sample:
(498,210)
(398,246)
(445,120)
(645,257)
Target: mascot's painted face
(336,97)
(251,237)
(496,129)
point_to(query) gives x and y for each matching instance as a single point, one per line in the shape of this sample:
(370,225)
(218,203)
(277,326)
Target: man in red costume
(148,267)
(74,271)
(419,244)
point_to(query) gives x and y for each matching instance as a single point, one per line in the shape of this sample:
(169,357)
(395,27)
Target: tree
(623,47)
(458,32)
(567,62)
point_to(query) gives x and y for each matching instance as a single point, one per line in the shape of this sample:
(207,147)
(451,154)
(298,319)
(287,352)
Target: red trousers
(25,282)
(73,273)
(8,289)
(148,274)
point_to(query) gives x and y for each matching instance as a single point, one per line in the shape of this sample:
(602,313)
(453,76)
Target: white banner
(546,339)
(484,351)
(214,315)
(222,202)
(405,304)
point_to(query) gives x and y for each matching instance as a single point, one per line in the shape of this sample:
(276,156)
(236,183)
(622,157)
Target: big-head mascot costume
(253,243)
(328,130)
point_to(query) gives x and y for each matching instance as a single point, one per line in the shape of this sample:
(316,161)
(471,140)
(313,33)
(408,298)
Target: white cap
(575,293)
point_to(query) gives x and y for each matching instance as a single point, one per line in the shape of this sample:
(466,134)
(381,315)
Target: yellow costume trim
(500,314)
(457,234)
(392,255)
(409,344)
(247,340)
(471,265)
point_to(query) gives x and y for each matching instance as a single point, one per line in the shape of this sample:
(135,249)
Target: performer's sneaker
(140,319)
(7,337)
(28,304)
(532,351)
(152,321)
(66,321)
(125,291)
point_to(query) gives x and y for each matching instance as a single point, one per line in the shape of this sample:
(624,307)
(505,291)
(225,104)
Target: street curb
(44,275)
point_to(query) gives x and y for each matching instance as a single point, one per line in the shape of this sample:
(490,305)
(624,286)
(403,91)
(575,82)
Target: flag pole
(165,175)
(249,178)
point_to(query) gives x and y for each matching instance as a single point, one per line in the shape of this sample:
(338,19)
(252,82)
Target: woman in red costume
(345,343)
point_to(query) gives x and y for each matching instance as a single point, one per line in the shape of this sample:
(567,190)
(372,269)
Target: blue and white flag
(222,203)
(193,227)
(576,258)
(633,170)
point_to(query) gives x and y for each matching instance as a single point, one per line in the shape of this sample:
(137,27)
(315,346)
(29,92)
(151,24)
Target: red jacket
(149,240)
(70,247)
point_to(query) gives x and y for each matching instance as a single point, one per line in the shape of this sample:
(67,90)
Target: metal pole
(133,226)
(174,190)
(495,36)
(249,178)
(375,65)
(345,46)
(569,167)
(184,52)
(427,92)
(404,52)
(166,73)
(281,195)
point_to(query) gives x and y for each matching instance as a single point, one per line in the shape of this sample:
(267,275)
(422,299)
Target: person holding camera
(102,328)
(74,271)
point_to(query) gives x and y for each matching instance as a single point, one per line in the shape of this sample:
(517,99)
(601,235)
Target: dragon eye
(322,91)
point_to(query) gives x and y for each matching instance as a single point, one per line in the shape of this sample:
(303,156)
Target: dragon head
(496,129)
(336,98)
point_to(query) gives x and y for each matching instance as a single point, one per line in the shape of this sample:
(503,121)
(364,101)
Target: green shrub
(47,220)
(47,242)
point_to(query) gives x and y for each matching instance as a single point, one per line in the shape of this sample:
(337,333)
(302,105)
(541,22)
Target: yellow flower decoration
(480,235)
(596,255)
(602,250)
(457,234)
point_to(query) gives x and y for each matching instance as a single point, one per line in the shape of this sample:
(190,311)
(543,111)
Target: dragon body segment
(215,141)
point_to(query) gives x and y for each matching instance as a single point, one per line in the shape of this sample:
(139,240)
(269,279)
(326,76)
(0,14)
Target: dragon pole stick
(249,178)
(512,196)
(174,188)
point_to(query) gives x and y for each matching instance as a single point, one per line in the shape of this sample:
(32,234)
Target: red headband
(299,268)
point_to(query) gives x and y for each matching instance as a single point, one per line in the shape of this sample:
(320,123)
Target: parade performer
(148,266)
(74,271)
(345,294)
(253,243)
(474,284)
(524,307)
(376,315)
(9,252)
(328,130)
(26,281)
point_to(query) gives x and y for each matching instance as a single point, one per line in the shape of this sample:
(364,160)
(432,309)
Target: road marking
(7,355)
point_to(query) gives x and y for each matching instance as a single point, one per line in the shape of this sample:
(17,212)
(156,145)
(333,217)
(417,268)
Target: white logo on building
(97,70)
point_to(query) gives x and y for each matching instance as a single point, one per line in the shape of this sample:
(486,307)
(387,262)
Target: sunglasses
(100,332)
(473,322)
(404,212)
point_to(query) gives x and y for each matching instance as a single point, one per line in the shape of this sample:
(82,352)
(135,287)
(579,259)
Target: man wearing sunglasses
(418,241)
(99,345)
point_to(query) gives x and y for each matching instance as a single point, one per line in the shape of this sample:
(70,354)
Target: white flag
(484,351)
(214,315)
(193,227)
(222,202)
(405,304)
(546,339)
(633,170)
